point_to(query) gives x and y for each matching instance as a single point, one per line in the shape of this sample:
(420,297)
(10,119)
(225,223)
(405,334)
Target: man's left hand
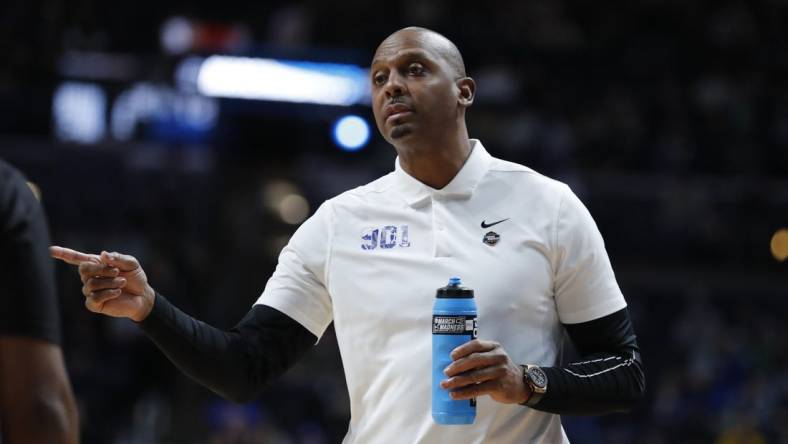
(484,368)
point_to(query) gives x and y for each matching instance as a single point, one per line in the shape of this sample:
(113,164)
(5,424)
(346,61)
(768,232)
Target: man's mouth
(396,111)
(395,108)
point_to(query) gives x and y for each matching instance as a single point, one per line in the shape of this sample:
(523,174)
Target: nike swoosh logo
(485,225)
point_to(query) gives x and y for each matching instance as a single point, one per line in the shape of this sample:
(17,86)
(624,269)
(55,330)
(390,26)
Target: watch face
(538,377)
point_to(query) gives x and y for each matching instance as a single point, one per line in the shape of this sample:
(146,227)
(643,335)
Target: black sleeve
(608,378)
(235,364)
(28,302)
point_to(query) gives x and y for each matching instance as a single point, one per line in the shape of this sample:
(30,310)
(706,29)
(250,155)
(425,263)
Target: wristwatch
(536,379)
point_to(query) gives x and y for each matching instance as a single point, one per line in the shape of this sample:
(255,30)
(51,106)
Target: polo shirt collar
(461,186)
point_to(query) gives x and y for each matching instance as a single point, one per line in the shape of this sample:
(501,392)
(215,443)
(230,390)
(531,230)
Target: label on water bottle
(455,325)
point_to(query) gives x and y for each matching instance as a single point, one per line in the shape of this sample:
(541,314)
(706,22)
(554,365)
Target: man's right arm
(290,315)
(236,364)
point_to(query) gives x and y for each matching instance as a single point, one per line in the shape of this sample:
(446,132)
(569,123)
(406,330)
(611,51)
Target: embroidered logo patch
(491,238)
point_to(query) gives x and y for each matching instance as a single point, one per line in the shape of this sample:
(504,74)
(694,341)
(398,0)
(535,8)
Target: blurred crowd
(668,118)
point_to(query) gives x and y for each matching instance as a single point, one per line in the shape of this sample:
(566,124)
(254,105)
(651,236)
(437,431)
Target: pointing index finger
(72,257)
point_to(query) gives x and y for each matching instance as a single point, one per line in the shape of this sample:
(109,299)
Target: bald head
(420,92)
(430,40)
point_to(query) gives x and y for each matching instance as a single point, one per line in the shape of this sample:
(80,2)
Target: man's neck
(435,164)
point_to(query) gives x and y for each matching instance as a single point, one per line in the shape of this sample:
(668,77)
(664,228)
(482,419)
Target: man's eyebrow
(414,52)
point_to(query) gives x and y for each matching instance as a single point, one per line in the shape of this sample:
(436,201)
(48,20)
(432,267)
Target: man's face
(414,90)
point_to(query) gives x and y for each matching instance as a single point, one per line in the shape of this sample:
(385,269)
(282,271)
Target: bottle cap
(454,290)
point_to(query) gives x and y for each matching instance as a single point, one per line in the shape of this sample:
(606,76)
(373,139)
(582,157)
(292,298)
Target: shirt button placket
(441,236)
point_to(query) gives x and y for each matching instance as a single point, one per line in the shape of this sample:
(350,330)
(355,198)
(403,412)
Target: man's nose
(394,85)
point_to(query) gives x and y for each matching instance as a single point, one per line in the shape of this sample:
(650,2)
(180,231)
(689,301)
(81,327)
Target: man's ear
(467,89)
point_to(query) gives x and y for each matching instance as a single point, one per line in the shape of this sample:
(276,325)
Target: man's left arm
(609,375)
(608,378)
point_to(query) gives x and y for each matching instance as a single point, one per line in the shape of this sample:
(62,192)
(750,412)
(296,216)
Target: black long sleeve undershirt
(608,378)
(237,364)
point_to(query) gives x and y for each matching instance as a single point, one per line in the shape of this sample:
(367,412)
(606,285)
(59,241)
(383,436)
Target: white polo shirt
(371,259)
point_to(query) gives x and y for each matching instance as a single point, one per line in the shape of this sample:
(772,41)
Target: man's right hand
(114,284)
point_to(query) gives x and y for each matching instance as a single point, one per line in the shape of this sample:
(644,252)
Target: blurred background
(198,135)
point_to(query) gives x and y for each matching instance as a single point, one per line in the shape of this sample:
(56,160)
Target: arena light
(293,209)
(186,115)
(779,244)
(79,112)
(176,35)
(180,35)
(286,81)
(351,133)
(285,199)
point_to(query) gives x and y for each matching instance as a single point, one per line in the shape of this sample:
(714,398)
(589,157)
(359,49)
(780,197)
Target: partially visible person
(36,401)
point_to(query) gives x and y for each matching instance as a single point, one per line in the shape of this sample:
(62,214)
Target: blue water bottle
(454,323)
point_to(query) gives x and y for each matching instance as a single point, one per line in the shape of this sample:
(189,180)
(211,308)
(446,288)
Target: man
(370,260)
(36,403)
